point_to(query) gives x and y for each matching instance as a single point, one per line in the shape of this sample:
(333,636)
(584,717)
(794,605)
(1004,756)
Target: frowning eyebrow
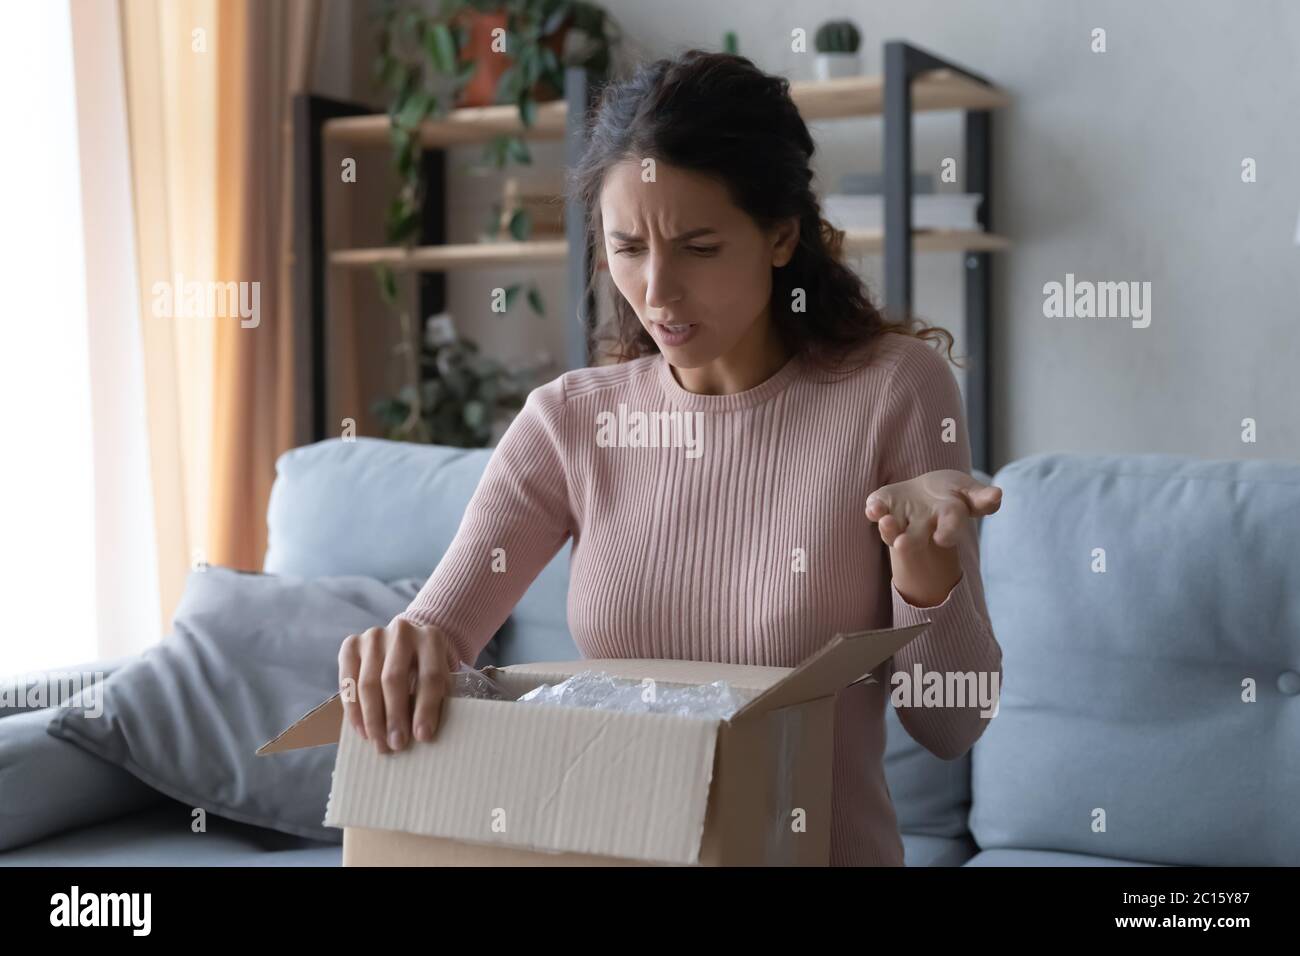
(626,237)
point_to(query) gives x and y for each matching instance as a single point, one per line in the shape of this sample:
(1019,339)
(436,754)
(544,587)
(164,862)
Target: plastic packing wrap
(601,691)
(468,682)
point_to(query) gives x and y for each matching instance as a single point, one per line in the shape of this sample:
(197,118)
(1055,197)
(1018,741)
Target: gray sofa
(1137,600)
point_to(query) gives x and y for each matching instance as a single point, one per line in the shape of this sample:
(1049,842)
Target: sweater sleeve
(922,394)
(516,521)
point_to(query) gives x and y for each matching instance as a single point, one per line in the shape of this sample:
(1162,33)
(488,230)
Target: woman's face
(684,256)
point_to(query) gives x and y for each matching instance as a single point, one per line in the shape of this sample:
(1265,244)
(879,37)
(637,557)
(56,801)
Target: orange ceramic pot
(481,89)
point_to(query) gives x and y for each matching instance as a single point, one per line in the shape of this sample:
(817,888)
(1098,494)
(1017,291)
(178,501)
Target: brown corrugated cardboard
(505,783)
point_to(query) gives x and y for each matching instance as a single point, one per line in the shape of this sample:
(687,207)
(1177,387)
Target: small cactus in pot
(837,44)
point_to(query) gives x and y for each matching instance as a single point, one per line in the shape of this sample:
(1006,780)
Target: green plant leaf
(527,111)
(405,148)
(441,46)
(527,65)
(390,412)
(497,149)
(414,110)
(556,80)
(493,224)
(521,224)
(508,85)
(387,284)
(518,150)
(431,393)
(411,19)
(474,413)
(385,71)
(535,301)
(403,220)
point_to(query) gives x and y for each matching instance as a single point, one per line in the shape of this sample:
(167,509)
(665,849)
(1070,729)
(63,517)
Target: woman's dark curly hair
(718,114)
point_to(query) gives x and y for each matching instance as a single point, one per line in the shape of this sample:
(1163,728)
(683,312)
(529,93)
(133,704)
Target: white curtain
(73,483)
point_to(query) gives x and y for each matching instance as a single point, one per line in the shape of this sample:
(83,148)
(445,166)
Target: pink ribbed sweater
(692,554)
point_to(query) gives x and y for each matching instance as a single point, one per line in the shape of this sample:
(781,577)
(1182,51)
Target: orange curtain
(171,116)
(268,55)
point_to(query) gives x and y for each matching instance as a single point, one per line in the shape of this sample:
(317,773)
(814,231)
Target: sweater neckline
(773,385)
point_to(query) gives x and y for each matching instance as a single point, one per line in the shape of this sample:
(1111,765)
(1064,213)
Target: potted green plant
(837,44)
(461,396)
(428,63)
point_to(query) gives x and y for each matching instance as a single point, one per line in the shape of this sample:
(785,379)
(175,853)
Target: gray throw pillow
(248,655)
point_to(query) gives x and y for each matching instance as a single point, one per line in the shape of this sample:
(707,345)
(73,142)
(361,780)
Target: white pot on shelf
(830,66)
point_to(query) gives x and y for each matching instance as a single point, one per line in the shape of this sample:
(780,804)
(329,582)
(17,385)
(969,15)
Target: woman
(735,532)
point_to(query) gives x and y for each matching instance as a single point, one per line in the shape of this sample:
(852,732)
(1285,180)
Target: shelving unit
(913,81)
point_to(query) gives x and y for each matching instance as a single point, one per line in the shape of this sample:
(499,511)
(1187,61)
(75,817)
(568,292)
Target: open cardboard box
(514,784)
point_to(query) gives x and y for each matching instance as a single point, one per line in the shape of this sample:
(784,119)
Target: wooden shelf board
(872,241)
(865,95)
(817,100)
(478,255)
(470,255)
(458,128)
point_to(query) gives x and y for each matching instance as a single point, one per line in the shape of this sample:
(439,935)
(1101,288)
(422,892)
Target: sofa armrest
(21,693)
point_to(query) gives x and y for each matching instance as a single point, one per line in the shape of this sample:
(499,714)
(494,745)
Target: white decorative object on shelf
(440,330)
(929,211)
(832,66)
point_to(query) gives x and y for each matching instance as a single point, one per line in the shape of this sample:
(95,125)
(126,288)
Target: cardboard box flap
(745,676)
(555,779)
(845,660)
(317,727)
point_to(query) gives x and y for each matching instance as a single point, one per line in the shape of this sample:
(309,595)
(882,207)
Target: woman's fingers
(395,678)
(916,536)
(393,681)
(937,514)
(891,527)
(983,499)
(878,505)
(370,688)
(349,671)
(431,683)
(951,525)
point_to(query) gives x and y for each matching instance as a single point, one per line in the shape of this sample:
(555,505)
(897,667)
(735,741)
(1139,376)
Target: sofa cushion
(1013,857)
(921,850)
(931,796)
(389,510)
(1125,729)
(384,509)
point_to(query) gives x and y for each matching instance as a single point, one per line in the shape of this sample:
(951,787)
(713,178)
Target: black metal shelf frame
(903,62)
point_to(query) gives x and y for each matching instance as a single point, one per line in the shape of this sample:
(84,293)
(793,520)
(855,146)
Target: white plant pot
(830,66)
